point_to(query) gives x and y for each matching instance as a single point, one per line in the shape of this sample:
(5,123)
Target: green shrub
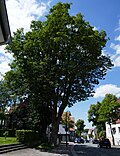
(1,132)
(101,134)
(6,134)
(27,136)
(11,132)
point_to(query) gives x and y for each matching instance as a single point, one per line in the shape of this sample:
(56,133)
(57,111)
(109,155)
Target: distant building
(115,130)
(116,133)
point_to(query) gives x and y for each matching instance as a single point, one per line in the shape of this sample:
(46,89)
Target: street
(92,150)
(87,149)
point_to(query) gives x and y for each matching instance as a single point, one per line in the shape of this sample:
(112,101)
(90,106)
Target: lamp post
(5,35)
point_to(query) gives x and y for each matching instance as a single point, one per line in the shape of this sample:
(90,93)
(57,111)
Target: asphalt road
(93,150)
(72,150)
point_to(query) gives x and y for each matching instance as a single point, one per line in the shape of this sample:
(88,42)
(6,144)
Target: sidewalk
(61,150)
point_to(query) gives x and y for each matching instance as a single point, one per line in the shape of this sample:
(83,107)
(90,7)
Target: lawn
(8,140)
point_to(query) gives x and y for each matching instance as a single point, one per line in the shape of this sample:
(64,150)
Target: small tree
(93,115)
(5,134)
(67,121)
(108,111)
(80,127)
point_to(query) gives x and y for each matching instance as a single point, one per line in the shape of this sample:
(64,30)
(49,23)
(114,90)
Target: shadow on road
(61,149)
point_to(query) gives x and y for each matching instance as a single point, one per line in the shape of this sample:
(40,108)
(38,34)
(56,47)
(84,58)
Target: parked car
(104,143)
(87,141)
(76,140)
(95,141)
(82,141)
(79,140)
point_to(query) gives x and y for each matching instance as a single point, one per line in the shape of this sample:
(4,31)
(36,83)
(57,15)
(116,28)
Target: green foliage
(80,127)
(11,132)
(58,62)
(6,134)
(67,121)
(93,115)
(108,110)
(27,136)
(105,112)
(101,134)
(90,136)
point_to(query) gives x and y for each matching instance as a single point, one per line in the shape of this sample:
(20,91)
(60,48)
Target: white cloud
(118,29)
(116,57)
(95,28)
(4,67)
(20,15)
(22,12)
(116,61)
(117,38)
(115,47)
(107,89)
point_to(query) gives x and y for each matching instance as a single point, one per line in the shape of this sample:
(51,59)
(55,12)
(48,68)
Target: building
(5,35)
(116,133)
(115,129)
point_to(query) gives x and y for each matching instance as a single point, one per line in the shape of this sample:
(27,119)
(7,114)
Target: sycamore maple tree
(60,61)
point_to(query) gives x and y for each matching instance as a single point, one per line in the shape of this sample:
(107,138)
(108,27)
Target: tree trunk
(113,140)
(56,117)
(55,128)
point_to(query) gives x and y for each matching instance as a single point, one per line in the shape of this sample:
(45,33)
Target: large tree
(61,60)
(108,111)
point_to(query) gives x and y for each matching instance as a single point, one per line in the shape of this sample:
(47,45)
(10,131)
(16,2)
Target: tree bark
(113,140)
(55,128)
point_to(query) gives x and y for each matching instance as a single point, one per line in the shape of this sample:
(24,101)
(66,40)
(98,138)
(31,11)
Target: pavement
(61,150)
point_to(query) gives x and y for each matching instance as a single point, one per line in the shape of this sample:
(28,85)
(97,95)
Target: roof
(5,34)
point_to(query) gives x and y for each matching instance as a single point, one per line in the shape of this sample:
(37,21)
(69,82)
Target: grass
(8,140)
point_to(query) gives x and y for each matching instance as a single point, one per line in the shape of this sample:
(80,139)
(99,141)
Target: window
(114,130)
(118,129)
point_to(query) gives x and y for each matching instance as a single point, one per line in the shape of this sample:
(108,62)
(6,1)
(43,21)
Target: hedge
(27,136)
(11,132)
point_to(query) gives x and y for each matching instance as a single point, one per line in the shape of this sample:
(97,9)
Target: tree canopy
(93,116)
(60,60)
(80,127)
(105,112)
(108,110)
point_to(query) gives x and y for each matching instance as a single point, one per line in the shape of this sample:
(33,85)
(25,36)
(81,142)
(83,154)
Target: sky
(102,14)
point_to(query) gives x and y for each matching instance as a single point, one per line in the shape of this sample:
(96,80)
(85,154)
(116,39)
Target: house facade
(115,130)
(116,133)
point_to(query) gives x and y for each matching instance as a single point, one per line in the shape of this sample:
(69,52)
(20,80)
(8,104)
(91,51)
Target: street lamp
(66,127)
(5,35)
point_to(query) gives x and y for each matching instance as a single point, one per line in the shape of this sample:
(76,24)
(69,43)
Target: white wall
(116,128)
